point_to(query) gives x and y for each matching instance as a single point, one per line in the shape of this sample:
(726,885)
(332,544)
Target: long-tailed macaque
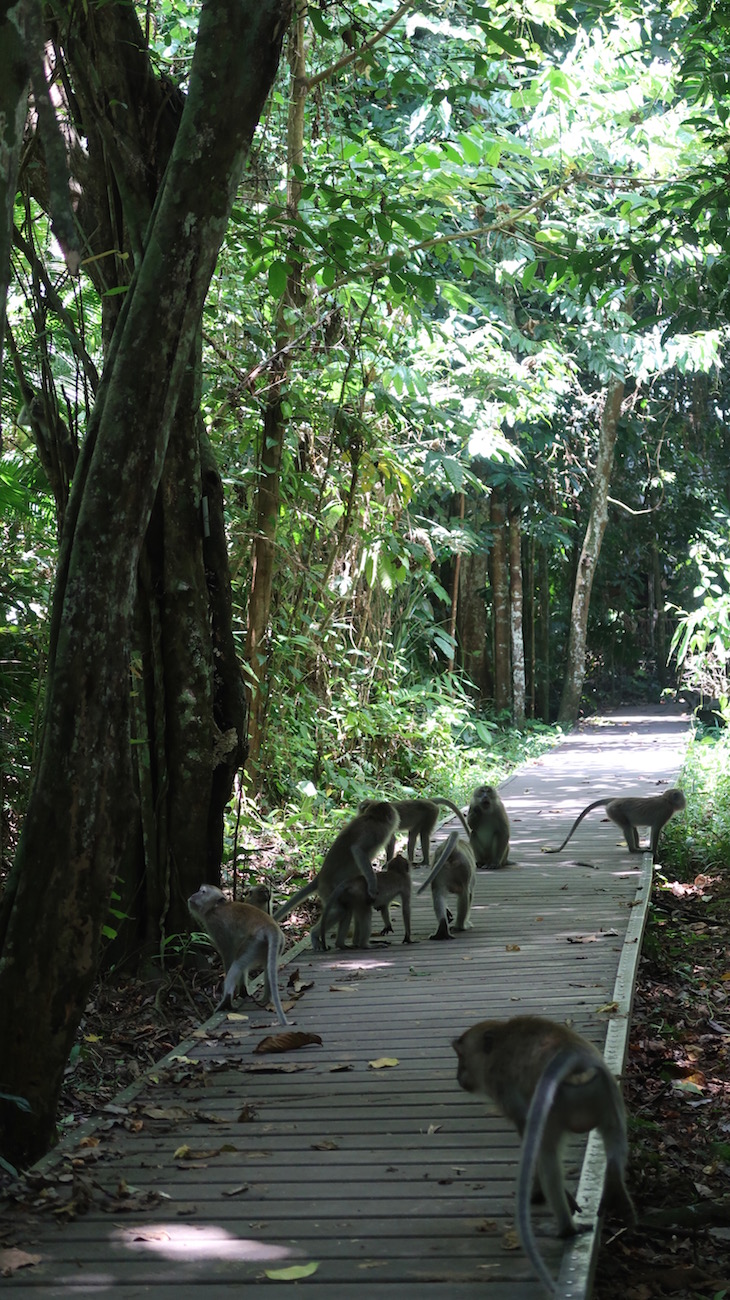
(653,810)
(418,817)
(245,937)
(488,828)
(351,900)
(453,872)
(258,896)
(549,1081)
(349,858)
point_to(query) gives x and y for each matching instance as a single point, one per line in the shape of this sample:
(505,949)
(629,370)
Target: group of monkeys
(544,1077)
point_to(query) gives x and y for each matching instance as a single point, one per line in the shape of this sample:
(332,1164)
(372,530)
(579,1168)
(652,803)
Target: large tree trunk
(591,549)
(499,570)
(77,827)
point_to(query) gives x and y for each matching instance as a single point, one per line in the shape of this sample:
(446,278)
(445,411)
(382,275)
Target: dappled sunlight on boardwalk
(360,1158)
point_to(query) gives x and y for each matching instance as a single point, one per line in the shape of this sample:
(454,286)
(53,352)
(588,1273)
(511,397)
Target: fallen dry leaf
(383,1062)
(13,1259)
(287,1041)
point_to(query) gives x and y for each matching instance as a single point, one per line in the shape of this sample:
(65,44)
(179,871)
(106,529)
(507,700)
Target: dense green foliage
(487,214)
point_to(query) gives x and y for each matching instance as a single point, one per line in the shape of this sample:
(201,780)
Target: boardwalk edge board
(575,1279)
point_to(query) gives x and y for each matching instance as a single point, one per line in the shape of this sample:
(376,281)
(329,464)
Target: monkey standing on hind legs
(246,938)
(350,857)
(549,1081)
(653,811)
(488,828)
(351,900)
(454,872)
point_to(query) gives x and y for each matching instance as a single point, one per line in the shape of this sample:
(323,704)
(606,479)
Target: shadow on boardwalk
(361,1156)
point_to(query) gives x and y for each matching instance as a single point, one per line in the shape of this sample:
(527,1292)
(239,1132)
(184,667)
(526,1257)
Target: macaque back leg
(463,909)
(630,832)
(425,849)
(438,894)
(552,1181)
(390,848)
(363,927)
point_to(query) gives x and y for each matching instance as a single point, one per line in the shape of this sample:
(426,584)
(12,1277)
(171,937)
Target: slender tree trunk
(473,622)
(275,425)
(591,549)
(76,831)
(542,644)
(455,592)
(500,601)
(658,615)
(516,617)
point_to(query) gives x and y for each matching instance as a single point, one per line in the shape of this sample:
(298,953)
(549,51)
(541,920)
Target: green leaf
(278,276)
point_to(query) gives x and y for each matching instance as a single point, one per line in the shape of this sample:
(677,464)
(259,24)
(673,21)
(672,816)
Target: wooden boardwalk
(225,1165)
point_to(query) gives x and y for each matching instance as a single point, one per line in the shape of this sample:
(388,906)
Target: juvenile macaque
(418,817)
(549,1081)
(488,828)
(259,896)
(654,811)
(349,858)
(246,938)
(351,900)
(454,872)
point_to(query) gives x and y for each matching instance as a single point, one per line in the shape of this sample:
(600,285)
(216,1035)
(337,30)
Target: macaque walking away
(653,811)
(454,872)
(351,900)
(418,817)
(488,828)
(246,938)
(349,858)
(549,1081)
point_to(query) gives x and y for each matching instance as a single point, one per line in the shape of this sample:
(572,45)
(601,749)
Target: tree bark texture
(499,571)
(76,832)
(473,622)
(590,551)
(516,617)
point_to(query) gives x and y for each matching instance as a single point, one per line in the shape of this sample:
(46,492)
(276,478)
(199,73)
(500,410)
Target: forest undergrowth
(677,1081)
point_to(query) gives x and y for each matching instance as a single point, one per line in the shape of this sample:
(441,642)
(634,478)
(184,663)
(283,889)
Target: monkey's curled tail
(562,1064)
(598,803)
(441,859)
(447,803)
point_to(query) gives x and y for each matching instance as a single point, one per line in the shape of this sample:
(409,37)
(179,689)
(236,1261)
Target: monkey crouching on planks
(488,828)
(653,811)
(246,937)
(453,872)
(418,817)
(549,1081)
(351,901)
(350,857)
